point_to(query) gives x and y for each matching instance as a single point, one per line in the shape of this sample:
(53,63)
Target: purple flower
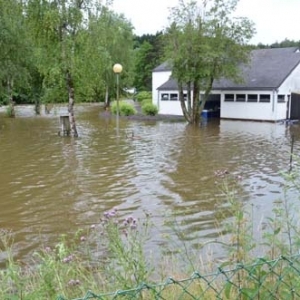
(110,214)
(133,226)
(68,259)
(74,282)
(48,249)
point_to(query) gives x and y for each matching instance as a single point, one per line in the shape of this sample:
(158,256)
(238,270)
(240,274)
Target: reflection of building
(268,91)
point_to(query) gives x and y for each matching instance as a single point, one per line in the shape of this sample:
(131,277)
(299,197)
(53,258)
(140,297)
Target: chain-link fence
(264,279)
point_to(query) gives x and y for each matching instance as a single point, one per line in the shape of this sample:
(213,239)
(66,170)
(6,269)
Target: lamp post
(117,68)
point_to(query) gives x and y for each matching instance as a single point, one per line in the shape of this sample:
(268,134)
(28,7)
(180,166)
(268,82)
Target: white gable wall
(158,78)
(292,82)
(290,85)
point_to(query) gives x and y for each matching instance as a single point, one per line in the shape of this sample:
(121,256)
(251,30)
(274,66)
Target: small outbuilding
(269,90)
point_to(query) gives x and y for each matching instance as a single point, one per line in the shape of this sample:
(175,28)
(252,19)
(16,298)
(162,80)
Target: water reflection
(52,185)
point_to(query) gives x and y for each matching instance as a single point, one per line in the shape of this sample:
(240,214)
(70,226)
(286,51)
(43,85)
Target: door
(295,107)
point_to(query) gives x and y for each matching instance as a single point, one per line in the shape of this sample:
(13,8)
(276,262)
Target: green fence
(264,279)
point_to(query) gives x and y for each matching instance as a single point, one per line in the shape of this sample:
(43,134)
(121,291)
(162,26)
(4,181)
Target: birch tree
(14,51)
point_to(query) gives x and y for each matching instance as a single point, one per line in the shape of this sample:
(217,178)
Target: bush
(149,109)
(146,101)
(125,109)
(143,95)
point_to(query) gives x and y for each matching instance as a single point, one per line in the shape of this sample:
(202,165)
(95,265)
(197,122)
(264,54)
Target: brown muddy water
(51,185)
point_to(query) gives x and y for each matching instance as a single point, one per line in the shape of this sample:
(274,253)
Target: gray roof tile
(267,69)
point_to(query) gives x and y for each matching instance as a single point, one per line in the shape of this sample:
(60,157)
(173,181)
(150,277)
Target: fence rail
(264,279)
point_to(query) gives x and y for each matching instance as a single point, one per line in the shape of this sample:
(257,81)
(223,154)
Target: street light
(117,68)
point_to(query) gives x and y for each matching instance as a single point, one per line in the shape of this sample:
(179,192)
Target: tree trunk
(205,96)
(185,111)
(11,104)
(70,86)
(37,107)
(106,102)
(196,103)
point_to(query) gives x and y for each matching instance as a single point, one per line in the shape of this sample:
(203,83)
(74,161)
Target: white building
(269,91)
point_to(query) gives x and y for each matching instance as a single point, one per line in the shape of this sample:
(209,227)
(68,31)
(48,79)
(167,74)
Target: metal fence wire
(264,279)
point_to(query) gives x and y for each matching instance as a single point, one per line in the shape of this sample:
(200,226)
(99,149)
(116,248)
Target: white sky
(274,20)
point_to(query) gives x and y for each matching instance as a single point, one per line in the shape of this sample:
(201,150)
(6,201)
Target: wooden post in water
(65,125)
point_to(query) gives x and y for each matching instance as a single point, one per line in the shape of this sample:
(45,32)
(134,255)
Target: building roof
(267,69)
(166,66)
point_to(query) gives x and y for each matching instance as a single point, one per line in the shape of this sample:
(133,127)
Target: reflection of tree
(199,153)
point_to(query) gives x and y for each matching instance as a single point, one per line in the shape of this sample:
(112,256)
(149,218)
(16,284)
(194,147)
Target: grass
(111,256)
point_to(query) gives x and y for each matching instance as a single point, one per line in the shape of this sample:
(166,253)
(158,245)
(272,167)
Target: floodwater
(51,185)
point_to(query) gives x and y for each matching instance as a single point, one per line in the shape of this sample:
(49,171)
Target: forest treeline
(51,51)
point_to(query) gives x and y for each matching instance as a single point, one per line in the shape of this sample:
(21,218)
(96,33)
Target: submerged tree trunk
(70,86)
(106,101)
(11,105)
(37,107)
(191,106)
(196,104)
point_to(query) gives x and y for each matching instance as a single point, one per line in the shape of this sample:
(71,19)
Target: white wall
(169,107)
(292,83)
(270,111)
(158,78)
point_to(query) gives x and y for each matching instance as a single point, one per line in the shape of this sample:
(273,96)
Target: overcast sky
(274,20)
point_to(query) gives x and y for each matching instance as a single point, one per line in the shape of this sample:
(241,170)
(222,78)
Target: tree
(109,40)
(204,44)
(76,44)
(148,54)
(14,51)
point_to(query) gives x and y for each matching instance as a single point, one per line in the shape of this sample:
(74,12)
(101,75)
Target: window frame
(281,100)
(229,99)
(173,97)
(164,99)
(264,98)
(251,99)
(239,98)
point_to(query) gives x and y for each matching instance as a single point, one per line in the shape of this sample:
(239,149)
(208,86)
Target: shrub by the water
(149,109)
(146,101)
(143,95)
(125,109)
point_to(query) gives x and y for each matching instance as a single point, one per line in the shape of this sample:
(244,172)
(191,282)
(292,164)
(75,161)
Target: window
(174,97)
(265,98)
(281,98)
(184,97)
(229,97)
(240,97)
(252,98)
(164,97)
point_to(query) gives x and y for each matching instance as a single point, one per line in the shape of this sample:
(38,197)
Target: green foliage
(149,109)
(143,96)
(10,111)
(125,109)
(205,46)
(126,264)
(148,54)
(146,101)
(70,268)
(15,51)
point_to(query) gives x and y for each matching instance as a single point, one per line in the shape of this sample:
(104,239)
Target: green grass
(111,256)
